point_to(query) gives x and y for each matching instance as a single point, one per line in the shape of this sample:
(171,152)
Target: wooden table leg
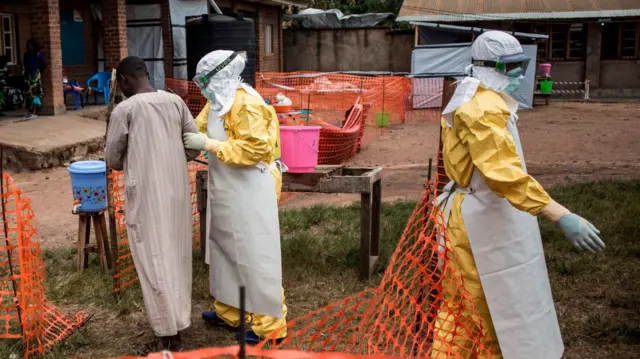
(101,244)
(365,235)
(84,233)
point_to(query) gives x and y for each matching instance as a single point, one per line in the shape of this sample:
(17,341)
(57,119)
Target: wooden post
(113,234)
(448,89)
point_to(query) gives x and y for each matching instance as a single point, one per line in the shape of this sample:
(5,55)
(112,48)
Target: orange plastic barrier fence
(329,95)
(337,143)
(421,308)
(189,92)
(25,312)
(232,353)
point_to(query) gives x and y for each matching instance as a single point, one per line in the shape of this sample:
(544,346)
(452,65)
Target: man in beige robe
(145,140)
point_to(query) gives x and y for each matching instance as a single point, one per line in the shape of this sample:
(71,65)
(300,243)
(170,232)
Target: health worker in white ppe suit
(243,231)
(490,210)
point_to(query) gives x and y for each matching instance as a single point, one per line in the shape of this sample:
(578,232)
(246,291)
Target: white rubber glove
(200,141)
(582,234)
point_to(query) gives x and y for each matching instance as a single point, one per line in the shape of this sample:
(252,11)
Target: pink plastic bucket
(299,147)
(545,70)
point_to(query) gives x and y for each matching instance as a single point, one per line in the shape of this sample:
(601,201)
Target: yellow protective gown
(479,139)
(250,129)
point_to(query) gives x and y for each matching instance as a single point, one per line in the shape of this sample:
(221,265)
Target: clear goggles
(512,65)
(203,80)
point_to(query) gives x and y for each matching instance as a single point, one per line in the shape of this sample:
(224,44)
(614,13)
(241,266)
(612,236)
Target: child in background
(66,86)
(34,65)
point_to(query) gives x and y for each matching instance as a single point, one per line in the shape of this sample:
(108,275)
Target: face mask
(209,96)
(513,85)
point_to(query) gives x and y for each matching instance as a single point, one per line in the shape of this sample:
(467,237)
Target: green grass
(597,296)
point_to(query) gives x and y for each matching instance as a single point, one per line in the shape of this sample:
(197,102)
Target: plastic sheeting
(144,35)
(335,19)
(427,93)
(180,10)
(434,36)
(446,59)
(525,95)
(453,59)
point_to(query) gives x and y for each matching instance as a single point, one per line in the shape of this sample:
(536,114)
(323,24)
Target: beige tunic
(145,140)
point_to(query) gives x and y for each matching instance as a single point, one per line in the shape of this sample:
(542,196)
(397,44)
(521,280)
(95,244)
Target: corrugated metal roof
(487,10)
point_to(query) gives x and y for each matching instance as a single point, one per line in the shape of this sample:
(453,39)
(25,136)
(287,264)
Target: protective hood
(494,46)
(218,76)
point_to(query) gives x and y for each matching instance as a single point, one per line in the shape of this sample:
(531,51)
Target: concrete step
(49,141)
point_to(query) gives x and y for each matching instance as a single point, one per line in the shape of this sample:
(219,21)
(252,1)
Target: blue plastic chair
(104,83)
(76,96)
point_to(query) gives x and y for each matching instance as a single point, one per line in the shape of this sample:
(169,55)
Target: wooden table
(328,179)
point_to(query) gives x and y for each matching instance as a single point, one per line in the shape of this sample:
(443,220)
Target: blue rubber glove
(582,234)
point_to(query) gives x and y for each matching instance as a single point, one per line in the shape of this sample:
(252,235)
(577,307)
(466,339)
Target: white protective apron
(507,249)
(243,233)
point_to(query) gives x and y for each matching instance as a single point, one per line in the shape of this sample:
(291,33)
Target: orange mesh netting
(189,92)
(329,95)
(25,312)
(421,308)
(340,137)
(337,144)
(232,353)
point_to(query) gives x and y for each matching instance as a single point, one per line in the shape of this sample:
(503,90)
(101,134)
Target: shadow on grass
(596,296)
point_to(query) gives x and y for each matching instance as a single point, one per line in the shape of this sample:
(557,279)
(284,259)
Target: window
(567,42)
(629,39)
(8,38)
(543,45)
(268,39)
(620,41)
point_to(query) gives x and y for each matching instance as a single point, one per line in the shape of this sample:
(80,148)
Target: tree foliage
(360,6)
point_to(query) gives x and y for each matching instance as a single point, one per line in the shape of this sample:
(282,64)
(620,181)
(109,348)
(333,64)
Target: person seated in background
(10,97)
(66,86)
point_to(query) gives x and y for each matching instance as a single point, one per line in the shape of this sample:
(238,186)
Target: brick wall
(45,29)
(269,15)
(114,21)
(167,38)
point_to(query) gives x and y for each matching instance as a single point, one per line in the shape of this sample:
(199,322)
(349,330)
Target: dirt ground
(563,143)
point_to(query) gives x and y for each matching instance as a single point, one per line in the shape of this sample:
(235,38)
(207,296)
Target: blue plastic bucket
(89,184)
